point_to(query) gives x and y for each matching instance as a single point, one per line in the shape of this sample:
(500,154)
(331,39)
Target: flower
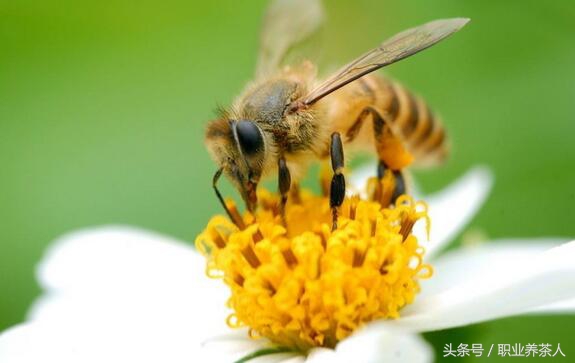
(302,284)
(123,294)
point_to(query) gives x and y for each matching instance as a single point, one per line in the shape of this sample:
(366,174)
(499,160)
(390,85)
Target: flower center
(305,285)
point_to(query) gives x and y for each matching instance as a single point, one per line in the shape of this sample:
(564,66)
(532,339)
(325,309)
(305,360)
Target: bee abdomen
(415,123)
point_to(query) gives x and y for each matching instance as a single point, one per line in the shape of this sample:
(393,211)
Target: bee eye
(249,137)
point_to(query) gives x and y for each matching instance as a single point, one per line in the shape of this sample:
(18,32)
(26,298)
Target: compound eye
(249,137)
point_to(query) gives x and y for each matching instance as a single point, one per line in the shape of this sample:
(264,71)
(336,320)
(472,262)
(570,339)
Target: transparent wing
(396,48)
(286,23)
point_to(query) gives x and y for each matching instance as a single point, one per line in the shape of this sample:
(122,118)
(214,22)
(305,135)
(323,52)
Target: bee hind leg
(391,180)
(384,138)
(337,187)
(284,184)
(400,186)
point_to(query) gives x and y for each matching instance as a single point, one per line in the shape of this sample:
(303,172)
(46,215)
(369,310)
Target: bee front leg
(337,188)
(284,184)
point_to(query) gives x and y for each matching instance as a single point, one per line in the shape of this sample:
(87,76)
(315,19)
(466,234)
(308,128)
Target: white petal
(128,273)
(561,307)
(278,358)
(118,256)
(117,295)
(452,208)
(466,263)
(296,359)
(524,285)
(370,345)
(234,344)
(322,355)
(71,343)
(376,344)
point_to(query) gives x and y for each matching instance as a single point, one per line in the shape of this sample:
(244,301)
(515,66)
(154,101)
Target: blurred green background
(103,106)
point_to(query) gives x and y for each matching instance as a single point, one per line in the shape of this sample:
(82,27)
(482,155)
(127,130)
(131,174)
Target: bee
(287,118)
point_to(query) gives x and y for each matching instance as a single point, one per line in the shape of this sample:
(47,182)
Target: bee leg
(284,184)
(295,195)
(352,132)
(386,144)
(399,185)
(337,188)
(231,211)
(382,133)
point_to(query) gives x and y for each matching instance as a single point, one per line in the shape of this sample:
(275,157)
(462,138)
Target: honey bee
(286,118)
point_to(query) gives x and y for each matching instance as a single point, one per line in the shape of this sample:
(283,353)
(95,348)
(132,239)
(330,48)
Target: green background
(103,106)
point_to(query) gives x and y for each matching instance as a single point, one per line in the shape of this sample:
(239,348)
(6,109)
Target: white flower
(118,294)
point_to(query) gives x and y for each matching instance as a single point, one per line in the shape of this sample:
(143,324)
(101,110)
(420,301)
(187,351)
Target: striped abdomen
(410,118)
(416,124)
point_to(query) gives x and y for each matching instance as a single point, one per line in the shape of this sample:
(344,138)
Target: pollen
(302,285)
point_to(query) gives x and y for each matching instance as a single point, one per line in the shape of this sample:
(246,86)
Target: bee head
(239,149)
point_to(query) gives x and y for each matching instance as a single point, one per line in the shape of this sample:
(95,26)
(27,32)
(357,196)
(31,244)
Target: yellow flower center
(305,285)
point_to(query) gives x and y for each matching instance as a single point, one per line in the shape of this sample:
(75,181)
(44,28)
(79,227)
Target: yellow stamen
(310,286)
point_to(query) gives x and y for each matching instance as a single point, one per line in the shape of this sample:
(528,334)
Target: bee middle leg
(383,135)
(295,193)
(337,188)
(284,184)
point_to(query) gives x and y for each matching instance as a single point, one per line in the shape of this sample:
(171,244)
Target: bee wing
(286,23)
(390,51)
